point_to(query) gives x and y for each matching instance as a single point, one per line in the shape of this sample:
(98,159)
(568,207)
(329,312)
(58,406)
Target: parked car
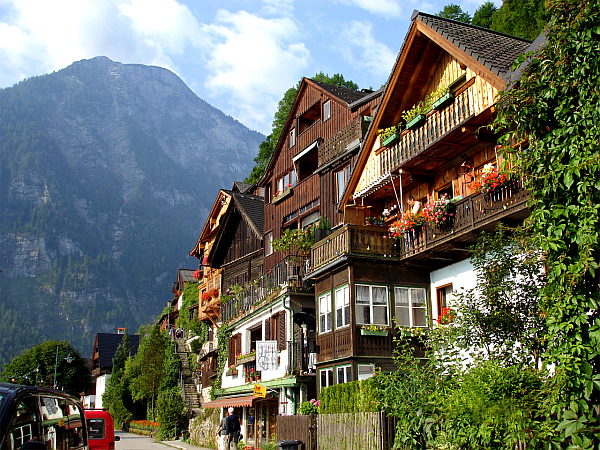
(40,418)
(101,430)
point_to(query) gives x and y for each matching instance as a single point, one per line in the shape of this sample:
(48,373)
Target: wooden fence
(361,431)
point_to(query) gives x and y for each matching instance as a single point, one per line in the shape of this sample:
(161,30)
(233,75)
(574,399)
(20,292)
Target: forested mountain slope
(107,173)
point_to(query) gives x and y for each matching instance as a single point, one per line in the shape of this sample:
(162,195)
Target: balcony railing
(289,272)
(472,213)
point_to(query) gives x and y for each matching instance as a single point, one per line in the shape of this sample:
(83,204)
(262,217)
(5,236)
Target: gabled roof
(339,93)
(252,208)
(187,275)
(207,228)
(108,343)
(496,51)
(487,53)
(240,186)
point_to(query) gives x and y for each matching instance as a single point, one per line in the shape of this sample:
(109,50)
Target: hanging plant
(439,212)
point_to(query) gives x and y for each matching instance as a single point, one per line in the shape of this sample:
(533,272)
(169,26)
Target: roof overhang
(244,400)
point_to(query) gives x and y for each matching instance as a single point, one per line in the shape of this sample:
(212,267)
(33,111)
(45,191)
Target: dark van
(40,418)
(101,430)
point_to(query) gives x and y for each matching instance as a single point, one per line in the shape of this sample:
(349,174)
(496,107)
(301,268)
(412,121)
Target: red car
(101,430)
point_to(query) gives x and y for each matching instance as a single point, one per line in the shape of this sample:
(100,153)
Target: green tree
(38,365)
(483,15)
(147,369)
(267,147)
(170,412)
(522,18)
(122,353)
(555,106)
(455,12)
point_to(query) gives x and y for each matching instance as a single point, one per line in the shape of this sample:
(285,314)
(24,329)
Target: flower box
(286,193)
(373,333)
(245,359)
(416,121)
(444,100)
(231,372)
(390,140)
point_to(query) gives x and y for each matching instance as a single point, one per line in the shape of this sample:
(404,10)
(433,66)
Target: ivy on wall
(354,397)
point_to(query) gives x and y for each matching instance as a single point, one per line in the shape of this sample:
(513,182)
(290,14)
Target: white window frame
(346,373)
(325,313)
(412,310)
(341,298)
(292,137)
(362,376)
(329,381)
(327,110)
(358,306)
(269,243)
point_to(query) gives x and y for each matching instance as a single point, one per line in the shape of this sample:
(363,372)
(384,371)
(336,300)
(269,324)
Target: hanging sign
(266,355)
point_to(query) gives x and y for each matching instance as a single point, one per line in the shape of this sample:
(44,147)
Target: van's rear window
(96,428)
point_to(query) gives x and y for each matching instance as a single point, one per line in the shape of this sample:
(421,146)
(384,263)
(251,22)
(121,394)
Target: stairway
(188,386)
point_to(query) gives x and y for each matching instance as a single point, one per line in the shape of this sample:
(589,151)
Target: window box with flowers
(389,136)
(197,274)
(280,195)
(446,316)
(231,371)
(214,292)
(408,222)
(206,297)
(439,213)
(246,357)
(373,330)
(490,180)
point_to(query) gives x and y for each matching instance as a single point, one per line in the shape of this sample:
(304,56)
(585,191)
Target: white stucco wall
(251,323)
(100,389)
(460,274)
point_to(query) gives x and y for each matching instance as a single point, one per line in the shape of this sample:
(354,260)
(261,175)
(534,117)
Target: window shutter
(238,349)
(281,342)
(268,329)
(231,356)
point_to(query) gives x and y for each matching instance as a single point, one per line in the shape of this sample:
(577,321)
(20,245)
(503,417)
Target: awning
(226,402)
(305,151)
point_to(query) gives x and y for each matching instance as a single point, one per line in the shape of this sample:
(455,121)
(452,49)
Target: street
(130,441)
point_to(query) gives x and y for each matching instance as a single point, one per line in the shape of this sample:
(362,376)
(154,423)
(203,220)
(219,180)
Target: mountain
(107,172)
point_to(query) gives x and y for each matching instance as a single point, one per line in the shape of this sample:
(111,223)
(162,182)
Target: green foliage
(265,151)
(38,365)
(223,335)
(122,352)
(190,298)
(310,407)
(354,397)
(555,104)
(483,15)
(170,411)
(455,12)
(295,242)
(522,18)
(337,79)
(172,366)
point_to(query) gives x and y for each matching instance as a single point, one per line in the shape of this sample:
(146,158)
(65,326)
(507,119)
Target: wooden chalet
(366,280)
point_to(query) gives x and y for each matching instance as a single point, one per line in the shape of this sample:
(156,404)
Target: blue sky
(239,56)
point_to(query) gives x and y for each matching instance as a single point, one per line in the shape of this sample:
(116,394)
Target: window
(341,179)
(269,243)
(365,371)
(445,190)
(371,305)
(326,110)
(310,219)
(342,306)
(444,296)
(411,306)
(326,378)
(292,137)
(293,175)
(344,374)
(325,322)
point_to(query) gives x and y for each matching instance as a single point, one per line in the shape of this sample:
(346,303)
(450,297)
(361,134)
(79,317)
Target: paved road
(130,441)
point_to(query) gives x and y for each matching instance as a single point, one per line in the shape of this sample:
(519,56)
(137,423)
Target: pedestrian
(233,429)
(222,434)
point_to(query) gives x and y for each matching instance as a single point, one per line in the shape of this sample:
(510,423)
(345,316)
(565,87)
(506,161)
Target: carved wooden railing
(471,213)
(338,143)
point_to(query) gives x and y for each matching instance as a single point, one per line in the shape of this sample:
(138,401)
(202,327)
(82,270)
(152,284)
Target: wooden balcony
(339,344)
(473,214)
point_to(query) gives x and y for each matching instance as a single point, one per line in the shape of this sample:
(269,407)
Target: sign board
(266,355)
(260,391)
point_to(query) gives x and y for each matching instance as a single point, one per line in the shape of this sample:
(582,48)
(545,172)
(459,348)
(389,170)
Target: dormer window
(309,117)
(326,110)
(292,137)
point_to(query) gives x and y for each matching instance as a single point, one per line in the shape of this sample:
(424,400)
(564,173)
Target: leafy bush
(354,397)
(170,412)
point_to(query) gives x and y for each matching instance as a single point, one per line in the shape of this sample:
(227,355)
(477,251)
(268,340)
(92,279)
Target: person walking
(232,425)
(222,433)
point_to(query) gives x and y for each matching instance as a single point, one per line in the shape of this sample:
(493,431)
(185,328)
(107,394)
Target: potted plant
(245,357)
(373,330)
(232,370)
(389,135)
(490,179)
(406,223)
(439,212)
(441,98)
(323,229)
(214,292)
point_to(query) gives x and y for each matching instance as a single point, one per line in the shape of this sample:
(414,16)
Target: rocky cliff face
(107,173)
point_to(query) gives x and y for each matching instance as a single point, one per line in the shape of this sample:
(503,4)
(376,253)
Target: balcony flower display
(206,297)
(489,179)
(214,292)
(245,357)
(197,274)
(408,222)
(439,212)
(446,316)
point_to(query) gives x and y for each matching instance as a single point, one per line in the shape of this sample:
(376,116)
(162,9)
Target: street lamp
(69,360)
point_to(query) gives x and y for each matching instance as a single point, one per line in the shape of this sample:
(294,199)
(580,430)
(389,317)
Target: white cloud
(255,60)
(384,8)
(374,56)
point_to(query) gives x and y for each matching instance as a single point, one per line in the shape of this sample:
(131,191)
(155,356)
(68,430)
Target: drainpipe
(291,353)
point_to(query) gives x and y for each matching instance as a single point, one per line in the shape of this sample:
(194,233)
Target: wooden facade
(443,155)
(293,191)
